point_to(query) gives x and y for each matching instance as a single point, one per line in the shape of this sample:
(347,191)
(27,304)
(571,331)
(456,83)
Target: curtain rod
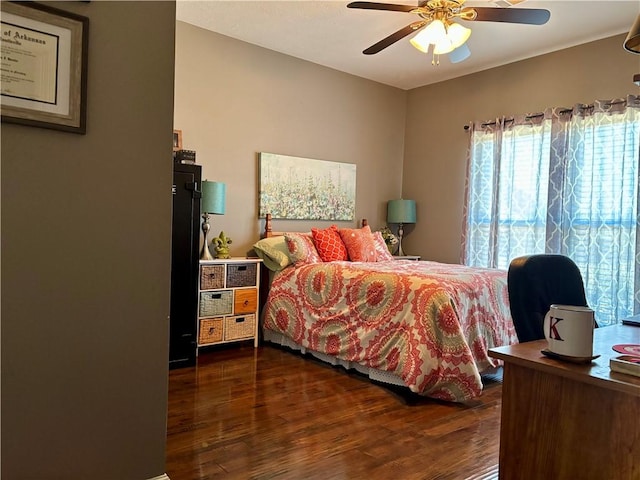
(537,115)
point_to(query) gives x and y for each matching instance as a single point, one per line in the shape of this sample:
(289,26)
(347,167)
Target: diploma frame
(67,109)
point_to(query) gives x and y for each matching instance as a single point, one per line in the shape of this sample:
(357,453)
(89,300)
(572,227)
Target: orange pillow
(329,244)
(359,243)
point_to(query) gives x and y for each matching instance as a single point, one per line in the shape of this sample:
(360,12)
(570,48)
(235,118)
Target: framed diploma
(43,67)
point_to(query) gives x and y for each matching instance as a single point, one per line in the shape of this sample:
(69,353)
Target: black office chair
(535,282)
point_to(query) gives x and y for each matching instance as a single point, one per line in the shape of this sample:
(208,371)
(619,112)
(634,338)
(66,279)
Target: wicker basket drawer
(239,327)
(216,303)
(211,277)
(241,275)
(245,301)
(210,330)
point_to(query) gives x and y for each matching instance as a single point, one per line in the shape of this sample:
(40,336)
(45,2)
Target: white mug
(569,330)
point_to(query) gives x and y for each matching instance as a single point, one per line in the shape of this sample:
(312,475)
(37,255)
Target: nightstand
(406,257)
(228,303)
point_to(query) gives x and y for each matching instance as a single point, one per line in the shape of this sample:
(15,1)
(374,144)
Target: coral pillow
(382,252)
(359,243)
(329,244)
(301,248)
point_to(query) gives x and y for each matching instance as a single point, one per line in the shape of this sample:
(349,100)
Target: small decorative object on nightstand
(228,301)
(390,240)
(222,243)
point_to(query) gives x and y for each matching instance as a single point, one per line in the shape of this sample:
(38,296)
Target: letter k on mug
(569,330)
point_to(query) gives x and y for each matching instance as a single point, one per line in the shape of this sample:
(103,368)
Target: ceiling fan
(437,27)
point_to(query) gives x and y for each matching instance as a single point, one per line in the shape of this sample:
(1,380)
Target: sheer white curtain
(564,181)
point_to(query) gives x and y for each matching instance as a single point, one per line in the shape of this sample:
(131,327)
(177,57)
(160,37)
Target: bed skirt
(373,374)
(491,374)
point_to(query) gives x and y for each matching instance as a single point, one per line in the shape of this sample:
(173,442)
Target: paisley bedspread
(429,323)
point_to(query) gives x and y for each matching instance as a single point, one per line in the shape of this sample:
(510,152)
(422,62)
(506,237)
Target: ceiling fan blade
(393,38)
(530,16)
(459,54)
(381,6)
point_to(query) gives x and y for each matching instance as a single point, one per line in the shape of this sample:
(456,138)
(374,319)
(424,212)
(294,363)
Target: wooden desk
(568,421)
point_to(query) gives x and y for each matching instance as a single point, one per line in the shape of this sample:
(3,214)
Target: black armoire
(184,264)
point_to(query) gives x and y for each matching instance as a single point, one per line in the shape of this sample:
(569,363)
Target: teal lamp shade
(213,197)
(401,211)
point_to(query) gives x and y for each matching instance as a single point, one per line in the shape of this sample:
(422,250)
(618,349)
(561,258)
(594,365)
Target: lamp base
(400,235)
(205,254)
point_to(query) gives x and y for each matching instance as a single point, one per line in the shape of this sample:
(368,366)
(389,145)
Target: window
(564,182)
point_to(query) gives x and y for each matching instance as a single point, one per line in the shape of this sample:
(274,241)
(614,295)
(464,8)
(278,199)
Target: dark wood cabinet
(184,265)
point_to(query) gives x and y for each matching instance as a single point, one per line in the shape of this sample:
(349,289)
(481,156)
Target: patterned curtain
(564,181)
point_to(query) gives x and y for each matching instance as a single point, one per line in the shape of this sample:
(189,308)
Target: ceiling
(330,34)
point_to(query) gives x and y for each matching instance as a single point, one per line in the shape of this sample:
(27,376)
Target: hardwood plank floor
(269,413)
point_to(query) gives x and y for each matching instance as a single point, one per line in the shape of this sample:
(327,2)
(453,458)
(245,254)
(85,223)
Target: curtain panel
(562,181)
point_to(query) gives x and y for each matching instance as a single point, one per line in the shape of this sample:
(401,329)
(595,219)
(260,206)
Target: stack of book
(629,364)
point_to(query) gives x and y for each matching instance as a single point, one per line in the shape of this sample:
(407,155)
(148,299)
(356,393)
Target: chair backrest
(535,282)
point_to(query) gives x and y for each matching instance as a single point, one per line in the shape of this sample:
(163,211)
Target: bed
(423,325)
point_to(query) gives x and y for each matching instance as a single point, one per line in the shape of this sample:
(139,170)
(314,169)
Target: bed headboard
(268,230)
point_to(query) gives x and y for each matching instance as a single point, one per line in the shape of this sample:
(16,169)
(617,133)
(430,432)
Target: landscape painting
(296,188)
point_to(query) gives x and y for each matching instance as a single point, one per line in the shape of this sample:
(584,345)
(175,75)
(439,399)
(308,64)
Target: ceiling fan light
(632,42)
(443,46)
(434,33)
(436,30)
(458,34)
(421,42)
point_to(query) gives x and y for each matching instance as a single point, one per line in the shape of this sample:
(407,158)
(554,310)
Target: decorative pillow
(329,244)
(359,243)
(301,248)
(382,252)
(274,252)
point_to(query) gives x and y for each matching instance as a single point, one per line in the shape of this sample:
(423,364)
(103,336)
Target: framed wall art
(177,140)
(296,188)
(44,67)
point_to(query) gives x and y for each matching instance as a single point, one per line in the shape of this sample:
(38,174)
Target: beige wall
(436,144)
(234,100)
(245,99)
(86,231)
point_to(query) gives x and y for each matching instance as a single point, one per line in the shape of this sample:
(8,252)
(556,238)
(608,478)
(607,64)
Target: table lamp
(213,202)
(401,212)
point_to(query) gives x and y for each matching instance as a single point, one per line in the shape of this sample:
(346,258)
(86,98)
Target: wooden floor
(269,413)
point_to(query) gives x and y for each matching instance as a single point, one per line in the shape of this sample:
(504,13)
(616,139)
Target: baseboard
(164,476)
